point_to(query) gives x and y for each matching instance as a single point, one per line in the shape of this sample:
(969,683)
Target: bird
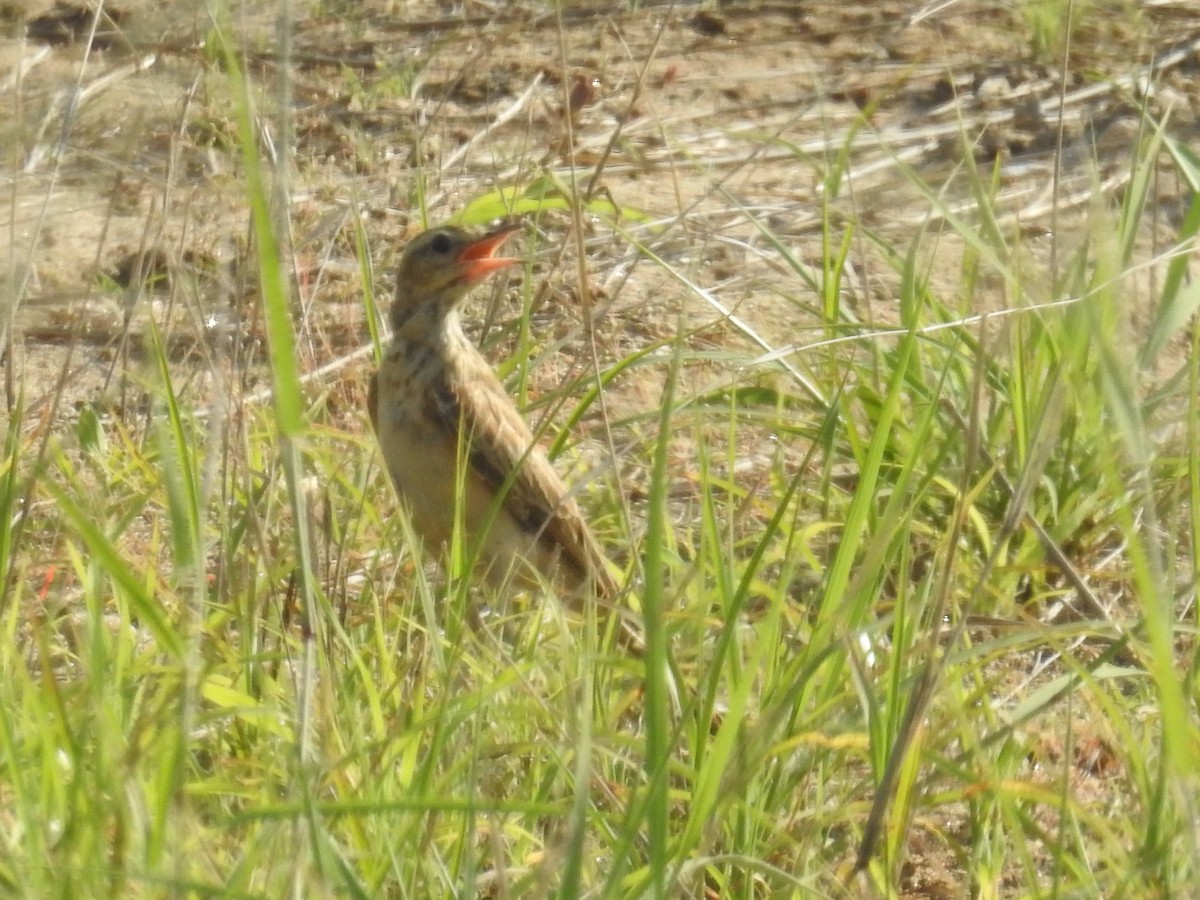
(455,444)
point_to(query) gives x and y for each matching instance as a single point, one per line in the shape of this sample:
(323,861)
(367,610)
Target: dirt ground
(740,130)
(719,121)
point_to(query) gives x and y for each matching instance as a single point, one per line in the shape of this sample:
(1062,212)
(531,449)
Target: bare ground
(715,123)
(726,124)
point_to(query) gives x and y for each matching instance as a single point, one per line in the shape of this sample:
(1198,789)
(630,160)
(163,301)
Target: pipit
(455,444)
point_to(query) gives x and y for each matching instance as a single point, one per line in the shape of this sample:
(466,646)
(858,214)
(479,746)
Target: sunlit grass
(923,586)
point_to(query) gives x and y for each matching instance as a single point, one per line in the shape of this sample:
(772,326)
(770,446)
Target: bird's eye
(441,243)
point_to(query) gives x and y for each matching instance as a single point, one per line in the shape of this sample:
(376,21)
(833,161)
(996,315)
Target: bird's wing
(504,454)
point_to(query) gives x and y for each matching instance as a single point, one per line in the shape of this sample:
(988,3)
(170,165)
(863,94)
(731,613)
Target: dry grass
(880,379)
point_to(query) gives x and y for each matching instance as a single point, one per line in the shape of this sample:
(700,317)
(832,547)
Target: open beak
(478,259)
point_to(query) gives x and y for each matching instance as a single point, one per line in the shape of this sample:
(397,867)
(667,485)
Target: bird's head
(443,263)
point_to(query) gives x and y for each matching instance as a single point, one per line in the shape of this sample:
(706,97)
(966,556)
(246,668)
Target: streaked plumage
(436,396)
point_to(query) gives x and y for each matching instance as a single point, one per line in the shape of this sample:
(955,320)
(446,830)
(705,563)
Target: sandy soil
(719,124)
(742,130)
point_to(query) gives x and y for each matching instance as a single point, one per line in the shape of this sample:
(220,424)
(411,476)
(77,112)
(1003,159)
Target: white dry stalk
(68,103)
(23,67)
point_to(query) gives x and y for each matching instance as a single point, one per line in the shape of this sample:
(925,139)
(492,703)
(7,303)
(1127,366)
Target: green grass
(228,673)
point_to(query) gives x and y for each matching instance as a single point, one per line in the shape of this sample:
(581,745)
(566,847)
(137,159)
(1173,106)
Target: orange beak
(479,259)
